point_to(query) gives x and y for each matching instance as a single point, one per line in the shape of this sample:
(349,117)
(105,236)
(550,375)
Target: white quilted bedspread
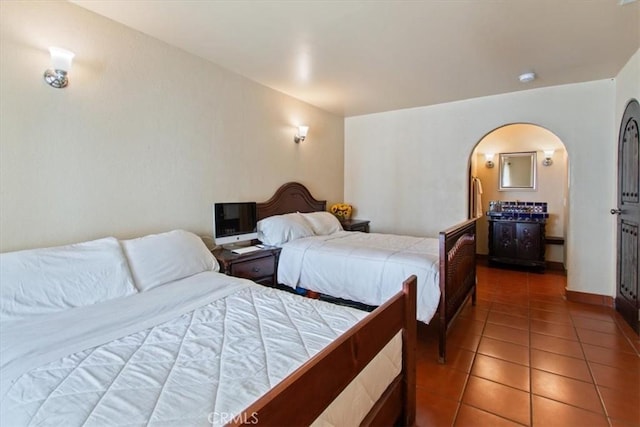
(200,367)
(365,267)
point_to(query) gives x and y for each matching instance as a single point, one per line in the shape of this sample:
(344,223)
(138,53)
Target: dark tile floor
(526,356)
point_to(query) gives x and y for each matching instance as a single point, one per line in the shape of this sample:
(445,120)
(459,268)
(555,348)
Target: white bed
(363,267)
(446,273)
(196,350)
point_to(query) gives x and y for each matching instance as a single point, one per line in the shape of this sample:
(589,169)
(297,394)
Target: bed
(343,265)
(147,332)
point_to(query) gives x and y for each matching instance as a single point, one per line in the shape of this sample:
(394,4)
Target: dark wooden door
(628,212)
(528,241)
(504,239)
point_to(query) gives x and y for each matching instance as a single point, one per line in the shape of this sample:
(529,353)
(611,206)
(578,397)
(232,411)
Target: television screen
(234,222)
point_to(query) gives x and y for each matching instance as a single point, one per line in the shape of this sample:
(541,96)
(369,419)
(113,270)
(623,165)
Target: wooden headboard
(290,197)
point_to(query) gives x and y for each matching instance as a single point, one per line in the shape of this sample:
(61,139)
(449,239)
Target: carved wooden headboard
(290,197)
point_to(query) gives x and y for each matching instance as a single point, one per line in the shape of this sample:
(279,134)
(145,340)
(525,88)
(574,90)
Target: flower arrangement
(342,211)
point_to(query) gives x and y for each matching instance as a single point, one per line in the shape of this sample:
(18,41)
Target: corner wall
(407,170)
(145,137)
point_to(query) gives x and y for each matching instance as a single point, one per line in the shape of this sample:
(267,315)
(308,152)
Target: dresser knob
(256,269)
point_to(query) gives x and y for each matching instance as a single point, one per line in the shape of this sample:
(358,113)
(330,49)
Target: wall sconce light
(548,161)
(302,134)
(61,59)
(489,160)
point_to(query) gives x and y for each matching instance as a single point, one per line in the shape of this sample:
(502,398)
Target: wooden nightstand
(356,225)
(259,266)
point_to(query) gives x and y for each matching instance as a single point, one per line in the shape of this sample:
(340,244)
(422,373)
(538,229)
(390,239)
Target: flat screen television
(234,223)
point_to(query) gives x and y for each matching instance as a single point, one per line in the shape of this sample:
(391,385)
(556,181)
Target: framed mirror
(518,171)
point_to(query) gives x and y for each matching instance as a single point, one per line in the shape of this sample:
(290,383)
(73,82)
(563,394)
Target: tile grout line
(473,361)
(593,378)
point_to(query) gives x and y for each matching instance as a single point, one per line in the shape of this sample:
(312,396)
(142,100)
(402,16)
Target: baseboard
(555,266)
(593,299)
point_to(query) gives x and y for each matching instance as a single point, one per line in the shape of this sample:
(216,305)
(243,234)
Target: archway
(552,182)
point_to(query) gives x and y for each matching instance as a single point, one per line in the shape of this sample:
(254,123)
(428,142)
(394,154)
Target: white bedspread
(365,267)
(175,355)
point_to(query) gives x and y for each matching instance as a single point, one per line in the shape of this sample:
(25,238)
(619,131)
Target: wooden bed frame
(457,254)
(301,397)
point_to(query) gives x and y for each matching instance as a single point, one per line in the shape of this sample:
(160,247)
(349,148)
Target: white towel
(478,190)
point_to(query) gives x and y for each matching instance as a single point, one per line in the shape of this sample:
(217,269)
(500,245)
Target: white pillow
(48,280)
(279,229)
(160,258)
(322,223)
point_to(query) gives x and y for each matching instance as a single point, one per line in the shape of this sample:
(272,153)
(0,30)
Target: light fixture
(61,59)
(302,134)
(548,154)
(527,77)
(489,160)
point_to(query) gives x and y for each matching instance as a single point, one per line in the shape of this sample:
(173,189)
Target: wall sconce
(548,154)
(302,134)
(61,59)
(489,160)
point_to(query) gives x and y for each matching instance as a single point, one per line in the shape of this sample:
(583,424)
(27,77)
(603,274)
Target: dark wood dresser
(518,242)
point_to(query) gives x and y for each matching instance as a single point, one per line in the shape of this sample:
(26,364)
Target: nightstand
(356,225)
(260,266)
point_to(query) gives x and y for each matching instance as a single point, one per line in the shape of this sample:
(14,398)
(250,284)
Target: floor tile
(587,311)
(434,410)
(561,365)
(504,350)
(548,412)
(620,406)
(498,399)
(476,313)
(566,390)
(621,423)
(510,309)
(441,380)
(620,379)
(526,356)
(501,371)
(468,325)
(611,357)
(616,341)
(464,341)
(468,416)
(556,345)
(550,316)
(595,325)
(505,319)
(559,330)
(506,333)
(460,359)
(555,306)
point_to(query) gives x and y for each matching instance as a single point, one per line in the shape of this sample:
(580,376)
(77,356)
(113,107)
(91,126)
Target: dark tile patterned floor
(526,356)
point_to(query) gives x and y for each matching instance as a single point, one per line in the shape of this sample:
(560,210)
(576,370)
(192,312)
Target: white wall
(627,86)
(407,170)
(145,137)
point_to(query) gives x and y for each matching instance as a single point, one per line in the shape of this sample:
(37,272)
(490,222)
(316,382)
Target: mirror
(518,171)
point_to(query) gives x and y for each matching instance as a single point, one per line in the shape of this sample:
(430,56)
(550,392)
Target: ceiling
(358,57)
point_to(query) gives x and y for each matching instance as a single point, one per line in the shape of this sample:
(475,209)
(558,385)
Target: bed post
(409,339)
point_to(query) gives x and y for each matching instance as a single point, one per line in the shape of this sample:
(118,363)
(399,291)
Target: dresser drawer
(255,268)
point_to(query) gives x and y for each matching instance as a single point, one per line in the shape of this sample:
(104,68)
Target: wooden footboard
(457,276)
(319,381)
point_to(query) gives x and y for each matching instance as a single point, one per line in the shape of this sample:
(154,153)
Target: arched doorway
(551,172)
